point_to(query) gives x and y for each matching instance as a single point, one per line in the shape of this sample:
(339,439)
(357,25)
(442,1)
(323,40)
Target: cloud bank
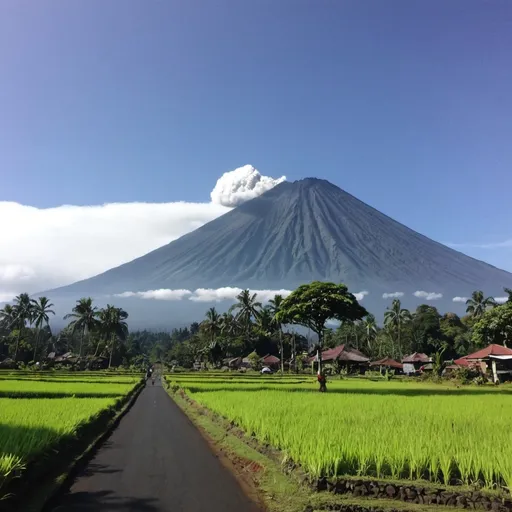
(43,248)
(203,294)
(236,187)
(428,295)
(460,299)
(392,295)
(501,300)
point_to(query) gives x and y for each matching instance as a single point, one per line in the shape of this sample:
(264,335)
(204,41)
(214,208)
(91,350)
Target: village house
(413,362)
(271,362)
(334,359)
(388,364)
(495,360)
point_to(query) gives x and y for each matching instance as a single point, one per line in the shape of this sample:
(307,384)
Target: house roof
(342,353)
(387,361)
(461,362)
(269,359)
(491,350)
(417,357)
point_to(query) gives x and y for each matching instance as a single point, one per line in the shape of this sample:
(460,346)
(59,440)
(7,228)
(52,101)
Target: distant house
(352,359)
(494,358)
(413,362)
(232,363)
(271,361)
(387,363)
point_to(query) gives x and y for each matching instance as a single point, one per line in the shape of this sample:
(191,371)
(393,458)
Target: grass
(381,429)
(40,417)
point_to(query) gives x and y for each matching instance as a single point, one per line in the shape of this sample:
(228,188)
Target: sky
(118,118)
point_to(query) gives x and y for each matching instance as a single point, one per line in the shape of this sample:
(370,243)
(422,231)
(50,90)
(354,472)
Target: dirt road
(155,461)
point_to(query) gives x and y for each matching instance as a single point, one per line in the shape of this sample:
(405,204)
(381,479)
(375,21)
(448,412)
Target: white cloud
(460,299)
(43,248)
(162,294)
(235,187)
(428,295)
(203,294)
(501,300)
(361,295)
(392,295)
(495,245)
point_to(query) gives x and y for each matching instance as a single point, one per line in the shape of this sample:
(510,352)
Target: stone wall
(415,494)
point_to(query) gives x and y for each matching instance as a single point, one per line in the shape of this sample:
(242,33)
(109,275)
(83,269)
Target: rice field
(39,411)
(395,429)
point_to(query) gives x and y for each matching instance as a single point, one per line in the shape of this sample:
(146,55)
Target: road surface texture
(155,461)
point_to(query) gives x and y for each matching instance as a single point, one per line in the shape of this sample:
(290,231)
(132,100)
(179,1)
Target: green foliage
(311,305)
(478,304)
(494,326)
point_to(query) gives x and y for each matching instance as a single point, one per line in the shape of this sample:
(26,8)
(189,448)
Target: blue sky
(405,104)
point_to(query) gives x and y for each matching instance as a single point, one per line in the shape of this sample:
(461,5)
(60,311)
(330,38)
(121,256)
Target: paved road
(155,461)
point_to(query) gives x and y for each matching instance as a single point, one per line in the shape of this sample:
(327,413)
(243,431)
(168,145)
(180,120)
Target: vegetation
(38,414)
(381,429)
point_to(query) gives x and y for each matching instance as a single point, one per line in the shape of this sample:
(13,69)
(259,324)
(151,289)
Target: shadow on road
(93,469)
(104,501)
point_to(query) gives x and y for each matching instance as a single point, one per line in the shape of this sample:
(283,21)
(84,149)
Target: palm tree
(228,324)
(212,324)
(370,330)
(275,308)
(508,291)
(23,312)
(41,310)
(7,316)
(113,326)
(477,304)
(395,317)
(247,308)
(85,318)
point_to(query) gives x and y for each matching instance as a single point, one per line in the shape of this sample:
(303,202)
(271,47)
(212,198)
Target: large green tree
(478,304)
(23,313)
(212,324)
(85,319)
(311,305)
(395,318)
(494,326)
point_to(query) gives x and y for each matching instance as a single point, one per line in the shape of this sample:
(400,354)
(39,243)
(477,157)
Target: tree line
(249,327)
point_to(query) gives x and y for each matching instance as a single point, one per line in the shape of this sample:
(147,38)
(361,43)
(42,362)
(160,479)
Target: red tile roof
(387,361)
(417,357)
(269,359)
(491,350)
(342,353)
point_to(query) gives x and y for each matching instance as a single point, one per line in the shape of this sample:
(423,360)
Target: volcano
(298,232)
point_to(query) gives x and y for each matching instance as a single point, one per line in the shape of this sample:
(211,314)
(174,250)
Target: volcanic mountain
(297,232)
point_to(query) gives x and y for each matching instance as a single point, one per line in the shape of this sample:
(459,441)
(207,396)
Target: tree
(370,330)
(212,324)
(247,308)
(275,307)
(494,326)
(477,305)
(311,305)
(395,317)
(85,318)
(41,312)
(113,326)
(508,291)
(23,312)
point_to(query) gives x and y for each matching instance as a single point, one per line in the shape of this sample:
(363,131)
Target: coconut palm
(275,307)
(23,312)
(370,330)
(228,324)
(247,308)
(478,304)
(508,291)
(113,326)
(395,317)
(7,316)
(41,312)
(213,323)
(85,317)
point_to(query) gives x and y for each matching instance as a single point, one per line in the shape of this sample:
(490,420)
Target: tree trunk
(281,350)
(111,352)
(17,345)
(319,354)
(35,344)
(294,354)
(399,345)
(81,343)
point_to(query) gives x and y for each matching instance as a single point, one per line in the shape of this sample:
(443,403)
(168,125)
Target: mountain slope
(296,232)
